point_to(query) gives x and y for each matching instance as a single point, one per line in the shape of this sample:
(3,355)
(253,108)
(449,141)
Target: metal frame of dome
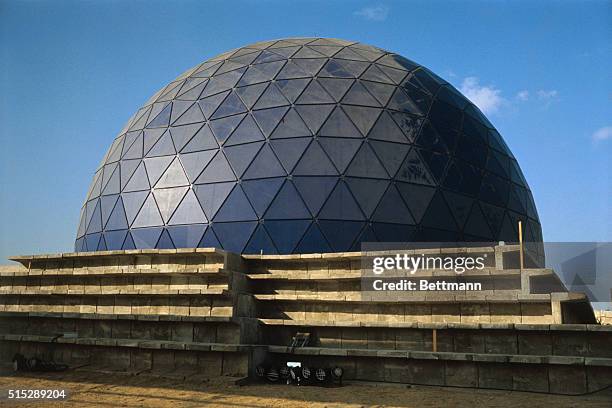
(304,145)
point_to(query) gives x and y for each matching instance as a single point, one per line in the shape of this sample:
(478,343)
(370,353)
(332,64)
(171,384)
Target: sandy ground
(103,390)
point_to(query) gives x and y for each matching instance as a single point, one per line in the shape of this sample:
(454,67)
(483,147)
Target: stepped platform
(209,313)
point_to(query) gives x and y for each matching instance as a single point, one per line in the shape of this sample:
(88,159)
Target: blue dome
(305,145)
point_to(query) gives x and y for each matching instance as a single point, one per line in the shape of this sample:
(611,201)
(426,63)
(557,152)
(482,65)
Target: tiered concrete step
(128,309)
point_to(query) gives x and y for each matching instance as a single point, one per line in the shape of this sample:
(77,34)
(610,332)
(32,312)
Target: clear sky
(72,72)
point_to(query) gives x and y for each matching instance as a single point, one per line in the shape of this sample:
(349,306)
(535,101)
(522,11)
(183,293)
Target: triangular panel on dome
(367,192)
(314,94)
(494,216)
(286,234)
(132,203)
(188,211)
(232,105)
(307,52)
(396,75)
(313,241)
(349,54)
(163,147)
(168,199)
(92,241)
(209,240)
(418,96)
(340,151)
(382,92)
(287,204)
(186,236)
(150,137)
(117,219)
(363,117)
(95,222)
(341,234)
(386,129)
(106,205)
(341,205)
(203,140)
(359,95)
(108,172)
(178,108)
(337,68)
(391,155)
(96,185)
(409,124)
(291,125)
(251,93)
(241,155)
(264,165)
(494,190)
(139,180)
(145,238)
(314,162)
(268,119)
(236,208)
(414,170)
(217,171)
(181,135)
(210,104)
(114,239)
(438,215)
(392,209)
(374,73)
(102,244)
(234,235)
(261,192)
(155,168)
(336,87)
(292,88)
(366,164)
(508,232)
(315,190)
(165,242)
(314,115)
(366,235)
(193,91)
(133,150)
(128,243)
(289,151)
(417,197)
(162,120)
(212,196)
(173,176)
(113,185)
(339,125)
(223,82)
(393,232)
(247,132)
(327,50)
(271,98)
(311,65)
(260,243)
(476,224)
(223,128)
(149,215)
(261,73)
(291,70)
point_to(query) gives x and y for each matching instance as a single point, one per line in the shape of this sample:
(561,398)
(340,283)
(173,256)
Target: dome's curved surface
(305,145)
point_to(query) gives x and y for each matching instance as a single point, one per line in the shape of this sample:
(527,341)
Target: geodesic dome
(305,145)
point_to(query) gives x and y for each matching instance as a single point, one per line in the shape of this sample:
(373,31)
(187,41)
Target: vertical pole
(520,233)
(434,340)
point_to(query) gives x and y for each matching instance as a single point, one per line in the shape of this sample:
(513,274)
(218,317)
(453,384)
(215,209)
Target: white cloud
(487,98)
(547,96)
(523,95)
(603,133)
(373,13)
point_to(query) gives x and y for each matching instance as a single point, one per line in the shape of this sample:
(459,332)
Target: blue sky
(72,72)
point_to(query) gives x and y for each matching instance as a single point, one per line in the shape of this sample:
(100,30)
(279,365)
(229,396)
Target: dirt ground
(103,390)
